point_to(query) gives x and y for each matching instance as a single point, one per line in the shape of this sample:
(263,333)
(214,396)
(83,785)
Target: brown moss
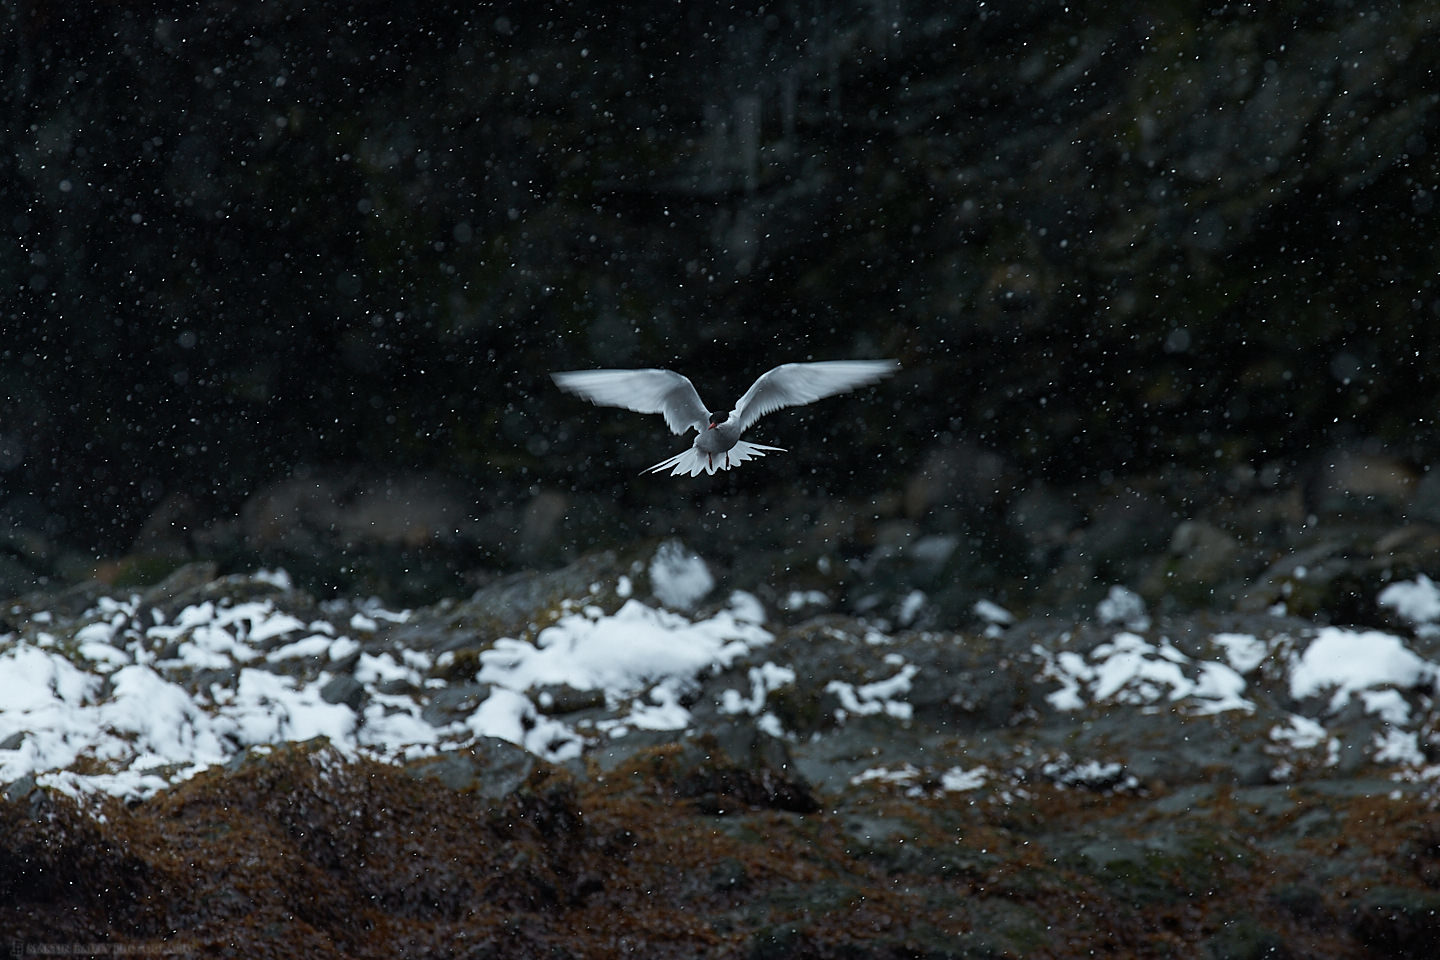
(296,851)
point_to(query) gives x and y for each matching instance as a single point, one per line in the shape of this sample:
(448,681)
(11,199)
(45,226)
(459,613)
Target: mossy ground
(296,851)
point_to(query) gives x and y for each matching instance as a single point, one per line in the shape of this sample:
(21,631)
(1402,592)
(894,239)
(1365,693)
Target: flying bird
(718,445)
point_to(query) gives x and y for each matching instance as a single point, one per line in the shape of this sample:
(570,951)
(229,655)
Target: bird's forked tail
(694,462)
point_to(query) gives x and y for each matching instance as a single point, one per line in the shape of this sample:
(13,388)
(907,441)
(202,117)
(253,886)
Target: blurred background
(283,281)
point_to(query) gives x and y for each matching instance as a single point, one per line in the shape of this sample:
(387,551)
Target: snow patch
(1243,650)
(1417,601)
(679,577)
(874,698)
(1344,662)
(1123,607)
(1130,669)
(992,613)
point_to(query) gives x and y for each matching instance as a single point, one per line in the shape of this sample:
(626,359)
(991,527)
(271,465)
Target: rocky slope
(621,755)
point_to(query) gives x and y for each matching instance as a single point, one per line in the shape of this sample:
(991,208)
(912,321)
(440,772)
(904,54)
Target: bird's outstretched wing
(791,384)
(644,391)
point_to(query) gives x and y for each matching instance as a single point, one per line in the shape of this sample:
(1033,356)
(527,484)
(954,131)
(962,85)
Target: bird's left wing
(791,384)
(644,391)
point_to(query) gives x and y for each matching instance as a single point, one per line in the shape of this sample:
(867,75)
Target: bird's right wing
(644,391)
(791,384)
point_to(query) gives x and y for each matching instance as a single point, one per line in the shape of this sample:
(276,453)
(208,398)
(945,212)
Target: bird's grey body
(718,445)
(719,437)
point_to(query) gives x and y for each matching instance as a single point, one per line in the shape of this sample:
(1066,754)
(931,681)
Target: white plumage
(718,445)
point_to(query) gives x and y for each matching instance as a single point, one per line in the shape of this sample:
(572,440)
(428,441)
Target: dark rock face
(244,240)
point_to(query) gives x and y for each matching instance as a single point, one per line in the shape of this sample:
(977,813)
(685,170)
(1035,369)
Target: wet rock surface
(498,779)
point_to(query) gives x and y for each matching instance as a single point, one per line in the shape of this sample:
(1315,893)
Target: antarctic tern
(718,445)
